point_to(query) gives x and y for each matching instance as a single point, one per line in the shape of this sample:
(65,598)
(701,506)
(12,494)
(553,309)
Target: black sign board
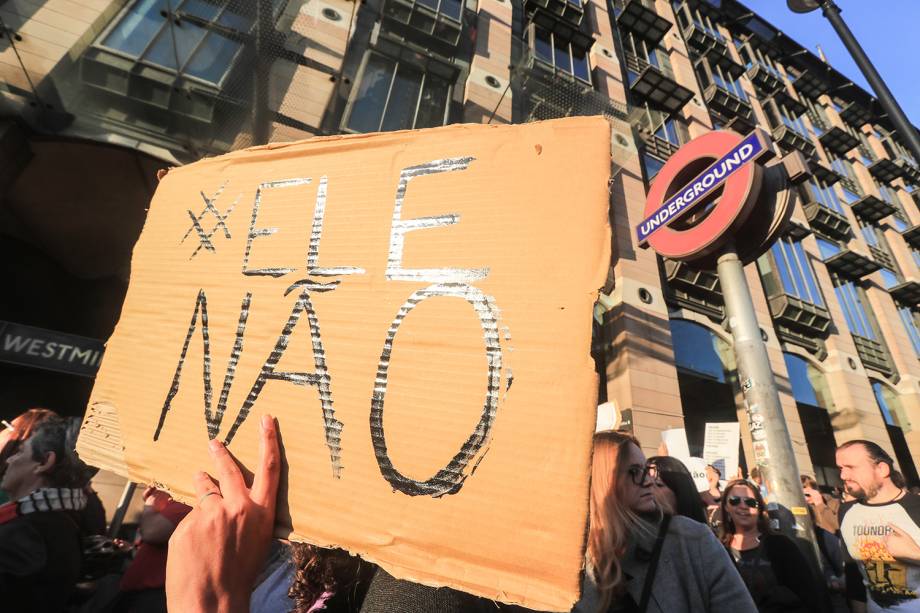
(40,348)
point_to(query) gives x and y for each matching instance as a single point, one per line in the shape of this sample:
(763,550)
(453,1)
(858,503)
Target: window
(651,165)
(171,35)
(865,150)
(911,320)
(817,115)
(397,95)
(827,247)
(915,253)
(849,183)
(889,277)
(852,301)
(889,405)
(690,15)
(824,195)
(717,76)
(670,129)
(870,233)
(645,52)
(560,54)
(791,120)
(752,55)
(794,270)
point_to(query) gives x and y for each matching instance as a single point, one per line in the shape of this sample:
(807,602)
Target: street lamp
(832,12)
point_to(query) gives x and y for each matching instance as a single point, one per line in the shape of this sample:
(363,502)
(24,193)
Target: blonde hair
(611,521)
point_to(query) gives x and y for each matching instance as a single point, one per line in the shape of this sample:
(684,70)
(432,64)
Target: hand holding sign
(219,549)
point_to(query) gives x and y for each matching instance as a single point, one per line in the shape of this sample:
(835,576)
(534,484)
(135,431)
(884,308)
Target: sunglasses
(749,502)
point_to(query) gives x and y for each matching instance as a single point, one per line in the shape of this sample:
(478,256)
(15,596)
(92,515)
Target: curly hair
(313,575)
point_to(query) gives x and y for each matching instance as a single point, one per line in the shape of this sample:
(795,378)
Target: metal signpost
(734,208)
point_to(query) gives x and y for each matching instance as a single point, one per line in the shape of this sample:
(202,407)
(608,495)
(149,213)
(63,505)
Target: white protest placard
(720,447)
(675,440)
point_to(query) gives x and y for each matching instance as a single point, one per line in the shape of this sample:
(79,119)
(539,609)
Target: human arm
(902,547)
(727,591)
(216,553)
(825,516)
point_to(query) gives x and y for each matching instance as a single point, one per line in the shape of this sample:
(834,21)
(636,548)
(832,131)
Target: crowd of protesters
(654,543)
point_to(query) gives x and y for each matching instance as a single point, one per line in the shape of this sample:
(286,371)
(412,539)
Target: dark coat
(40,557)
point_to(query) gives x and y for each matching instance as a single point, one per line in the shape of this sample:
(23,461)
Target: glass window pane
(782,268)
(844,301)
(404,96)
(561,53)
(801,292)
(580,64)
(199,8)
(652,165)
(185,36)
(910,324)
(883,405)
(808,274)
(452,8)
(137,27)
(802,389)
(433,104)
(695,349)
(371,98)
(543,46)
(827,248)
(889,278)
(213,58)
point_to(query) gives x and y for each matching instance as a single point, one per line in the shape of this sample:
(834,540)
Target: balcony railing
(654,81)
(790,134)
(641,18)
(838,140)
(764,77)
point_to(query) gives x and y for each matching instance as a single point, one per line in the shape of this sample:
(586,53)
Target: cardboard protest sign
(415,309)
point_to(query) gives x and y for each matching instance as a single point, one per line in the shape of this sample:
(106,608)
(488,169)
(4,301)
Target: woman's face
(742,507)
(662,492)
(636,485)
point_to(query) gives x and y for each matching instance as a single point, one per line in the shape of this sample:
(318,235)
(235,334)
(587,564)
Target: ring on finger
(201,498)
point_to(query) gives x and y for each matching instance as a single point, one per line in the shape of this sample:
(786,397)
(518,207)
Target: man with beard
(880,527)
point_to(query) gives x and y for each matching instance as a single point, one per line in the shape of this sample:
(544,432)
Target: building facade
(96,95)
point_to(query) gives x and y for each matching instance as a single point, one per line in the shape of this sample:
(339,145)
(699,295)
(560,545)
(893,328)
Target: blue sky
(886,29)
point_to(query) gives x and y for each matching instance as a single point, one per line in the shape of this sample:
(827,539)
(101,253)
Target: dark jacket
(799,589)
(40,557)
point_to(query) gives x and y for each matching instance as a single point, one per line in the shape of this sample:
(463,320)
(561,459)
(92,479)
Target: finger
(896,530)
(232,486)
(265,481)
(205,487)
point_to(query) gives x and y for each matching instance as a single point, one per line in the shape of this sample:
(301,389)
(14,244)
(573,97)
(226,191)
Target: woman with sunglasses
(777,574)
(641,559)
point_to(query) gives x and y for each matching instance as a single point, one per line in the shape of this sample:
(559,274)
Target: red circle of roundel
(681,244)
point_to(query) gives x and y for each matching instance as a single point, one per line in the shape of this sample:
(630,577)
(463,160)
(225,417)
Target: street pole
(885,97)
(261,114)
(772,446)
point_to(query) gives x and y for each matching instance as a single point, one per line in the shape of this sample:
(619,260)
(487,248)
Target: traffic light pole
(772,446)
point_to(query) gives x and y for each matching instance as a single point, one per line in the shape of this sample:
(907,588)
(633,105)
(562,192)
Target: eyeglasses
(749,502)
(639,473)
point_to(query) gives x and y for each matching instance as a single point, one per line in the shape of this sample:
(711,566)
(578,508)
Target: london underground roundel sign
(705,194)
